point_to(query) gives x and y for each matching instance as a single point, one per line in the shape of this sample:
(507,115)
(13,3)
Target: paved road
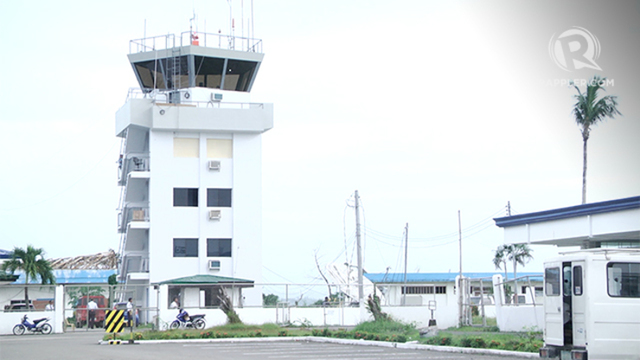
(83,345)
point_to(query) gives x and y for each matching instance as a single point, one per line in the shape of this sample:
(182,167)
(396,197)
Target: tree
(34,266)
(517,254)
(270,300)
(520,254)
(500,258)
(589,110)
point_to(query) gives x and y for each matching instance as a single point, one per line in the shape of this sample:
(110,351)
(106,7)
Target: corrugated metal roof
(398,278)
(207,279)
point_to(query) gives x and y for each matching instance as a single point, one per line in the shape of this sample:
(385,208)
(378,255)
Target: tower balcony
(133,218)
(131,165)
(135,267)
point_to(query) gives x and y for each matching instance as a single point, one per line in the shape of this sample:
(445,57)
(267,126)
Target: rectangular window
(219,197)
(552,281)
(185,197)
(186,147)
(219,148)
(219,247)
(414,290)
(185,247)
(623,279)
(420,290)
(577,280)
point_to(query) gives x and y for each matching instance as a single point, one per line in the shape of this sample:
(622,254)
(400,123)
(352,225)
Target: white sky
(425,107)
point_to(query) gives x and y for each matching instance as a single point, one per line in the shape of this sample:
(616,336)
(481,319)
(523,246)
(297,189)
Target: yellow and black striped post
(114,321)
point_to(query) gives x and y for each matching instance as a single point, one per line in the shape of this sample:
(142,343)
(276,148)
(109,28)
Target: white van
(592,305)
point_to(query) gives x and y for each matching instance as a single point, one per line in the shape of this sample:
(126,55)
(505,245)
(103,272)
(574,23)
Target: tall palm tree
(34,266)
(520,254)
(500,258)
(589,110)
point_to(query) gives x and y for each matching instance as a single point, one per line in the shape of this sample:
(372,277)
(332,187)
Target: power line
(480,223)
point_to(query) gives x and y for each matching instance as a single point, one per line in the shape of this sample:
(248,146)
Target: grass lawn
(387,330)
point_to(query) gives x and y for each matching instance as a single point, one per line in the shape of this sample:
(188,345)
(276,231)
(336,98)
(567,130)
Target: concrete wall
(520,317)
(56,318)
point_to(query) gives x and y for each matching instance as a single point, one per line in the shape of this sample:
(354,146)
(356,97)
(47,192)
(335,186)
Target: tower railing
(187,38)
(161,98)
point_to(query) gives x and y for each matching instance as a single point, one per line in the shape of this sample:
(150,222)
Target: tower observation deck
(213,61)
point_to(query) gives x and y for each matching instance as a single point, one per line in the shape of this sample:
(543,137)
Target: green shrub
(478,343)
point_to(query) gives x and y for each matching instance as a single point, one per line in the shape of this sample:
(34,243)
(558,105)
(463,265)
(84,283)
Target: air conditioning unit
(215,214)
(214,165)
(216,97)
(214,265)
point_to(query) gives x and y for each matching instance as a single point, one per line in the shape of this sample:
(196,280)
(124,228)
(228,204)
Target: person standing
(130,312)
(49,306)
(92,306)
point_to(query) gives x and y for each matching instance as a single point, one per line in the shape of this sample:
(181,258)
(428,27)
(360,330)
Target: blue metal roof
(439,277)
(74,277)
(5,254)
(569,212)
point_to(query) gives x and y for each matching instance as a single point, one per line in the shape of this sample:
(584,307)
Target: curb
(319,339)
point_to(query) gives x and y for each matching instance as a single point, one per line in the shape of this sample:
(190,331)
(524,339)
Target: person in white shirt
(175,304)
(130,311)
(92,306)
(49,306)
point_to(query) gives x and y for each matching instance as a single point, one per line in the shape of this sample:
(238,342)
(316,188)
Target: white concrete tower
(190,166)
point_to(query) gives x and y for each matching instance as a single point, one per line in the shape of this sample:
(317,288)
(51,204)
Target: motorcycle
(38,326)
(185,321)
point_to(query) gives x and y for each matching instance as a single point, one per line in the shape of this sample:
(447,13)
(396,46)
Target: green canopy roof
(207,279)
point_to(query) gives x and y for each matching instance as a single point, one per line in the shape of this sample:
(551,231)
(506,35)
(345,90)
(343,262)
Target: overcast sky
(425,107)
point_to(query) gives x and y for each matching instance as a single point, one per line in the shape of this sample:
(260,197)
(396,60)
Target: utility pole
(360,286)
(406,247)
(460,273)
(508,208)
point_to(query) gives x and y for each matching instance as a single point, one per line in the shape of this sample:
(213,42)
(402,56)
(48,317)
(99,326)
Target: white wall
(516,317)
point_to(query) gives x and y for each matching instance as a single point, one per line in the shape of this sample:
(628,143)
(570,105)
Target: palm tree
(590,110)
(500,258)
(520,254)
(34,266)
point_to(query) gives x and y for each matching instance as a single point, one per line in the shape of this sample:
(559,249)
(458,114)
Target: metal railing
(219,41)
(161,98)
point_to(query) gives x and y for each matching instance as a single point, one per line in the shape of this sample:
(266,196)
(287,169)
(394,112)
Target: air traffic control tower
(190,213)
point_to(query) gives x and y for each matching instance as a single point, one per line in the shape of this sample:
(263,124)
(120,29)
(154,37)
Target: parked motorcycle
(185,321)
(38,326)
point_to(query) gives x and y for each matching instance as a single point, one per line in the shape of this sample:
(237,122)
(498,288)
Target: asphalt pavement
(83,344)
